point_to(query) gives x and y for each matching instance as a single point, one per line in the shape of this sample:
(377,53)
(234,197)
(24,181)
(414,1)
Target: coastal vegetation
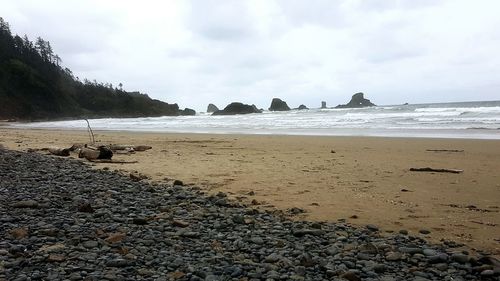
(34,85)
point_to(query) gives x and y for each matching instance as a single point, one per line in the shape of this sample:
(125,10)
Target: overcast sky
(199,52)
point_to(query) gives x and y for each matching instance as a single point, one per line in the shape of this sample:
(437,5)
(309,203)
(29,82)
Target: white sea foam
(426,120)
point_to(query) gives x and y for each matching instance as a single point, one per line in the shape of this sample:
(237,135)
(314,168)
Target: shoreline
(465,134)
(362,181)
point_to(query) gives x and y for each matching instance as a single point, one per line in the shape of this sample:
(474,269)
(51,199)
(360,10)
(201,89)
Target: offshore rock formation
(323,104)
(212,108)
(187,112)
(278,105)
(302,107)
(238,108)
(357,100)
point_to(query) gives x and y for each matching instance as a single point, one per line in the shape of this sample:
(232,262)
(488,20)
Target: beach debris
(428,169)
(112,161)
(59,151)
(296,211)
(92,153)
(471,208)
(445,150)
(76,146)
(91,133)
(115,147)
(484,223)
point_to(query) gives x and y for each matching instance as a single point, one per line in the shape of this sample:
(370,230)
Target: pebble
(90,244)
(424,231)
(62,220)
(393,256)
(460,258)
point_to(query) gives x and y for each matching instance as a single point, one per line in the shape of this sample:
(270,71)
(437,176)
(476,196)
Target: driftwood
(126,152)
(92,153)
(59,151)
(76,146)
(112,161)
(445,150)
(428,169)
(129,147)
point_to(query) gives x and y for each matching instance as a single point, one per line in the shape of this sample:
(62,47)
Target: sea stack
(212,108)
(237,108)
(278,105)
(187,112)
(323,104)
(302,107)
(357,101)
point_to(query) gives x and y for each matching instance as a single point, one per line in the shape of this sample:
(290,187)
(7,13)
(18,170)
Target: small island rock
(302,107)
(357,100)
(187,112)
(237,108)
(278,105)
(212,108)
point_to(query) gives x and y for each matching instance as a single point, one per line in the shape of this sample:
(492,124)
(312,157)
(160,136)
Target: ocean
(476,120)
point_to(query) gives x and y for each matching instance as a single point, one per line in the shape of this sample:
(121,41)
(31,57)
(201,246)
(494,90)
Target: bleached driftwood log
(115,147)
(111,161)
(59,151)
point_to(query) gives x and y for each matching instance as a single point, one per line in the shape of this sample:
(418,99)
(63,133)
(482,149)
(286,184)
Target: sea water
(449,120)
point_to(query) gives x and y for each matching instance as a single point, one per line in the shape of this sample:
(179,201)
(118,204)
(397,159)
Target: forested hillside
(34,86)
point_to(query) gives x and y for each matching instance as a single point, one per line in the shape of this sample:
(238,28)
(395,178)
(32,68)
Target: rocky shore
(61,220)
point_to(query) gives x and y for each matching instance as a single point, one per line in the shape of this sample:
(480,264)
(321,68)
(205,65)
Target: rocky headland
(62,220)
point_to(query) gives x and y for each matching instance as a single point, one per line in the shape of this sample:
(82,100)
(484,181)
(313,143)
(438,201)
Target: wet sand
(365,180)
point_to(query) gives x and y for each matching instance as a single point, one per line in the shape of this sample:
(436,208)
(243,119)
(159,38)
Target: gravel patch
(61,220)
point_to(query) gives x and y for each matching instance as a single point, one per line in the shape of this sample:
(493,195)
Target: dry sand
(363,180)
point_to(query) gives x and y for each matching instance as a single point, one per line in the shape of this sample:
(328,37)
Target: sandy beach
(362,180)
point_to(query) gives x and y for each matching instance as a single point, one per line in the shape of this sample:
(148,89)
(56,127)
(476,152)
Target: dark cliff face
(238,108)
(358,100)
(278,105)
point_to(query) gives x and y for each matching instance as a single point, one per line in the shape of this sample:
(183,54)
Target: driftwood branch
(428,169)
(445,150)
(91,134)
